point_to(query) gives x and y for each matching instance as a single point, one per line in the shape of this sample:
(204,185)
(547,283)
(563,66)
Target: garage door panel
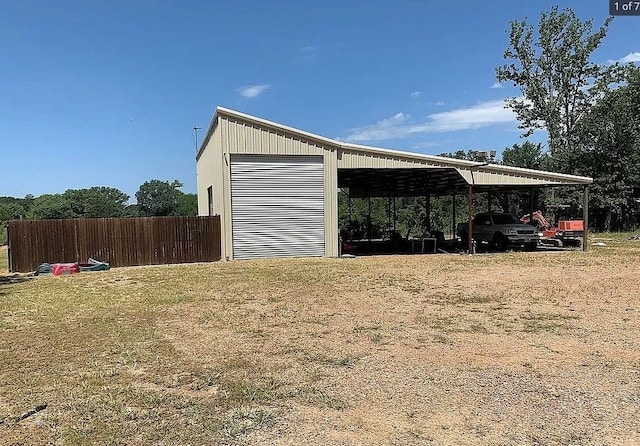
(277,206)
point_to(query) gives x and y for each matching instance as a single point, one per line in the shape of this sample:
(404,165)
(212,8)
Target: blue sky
(108,92)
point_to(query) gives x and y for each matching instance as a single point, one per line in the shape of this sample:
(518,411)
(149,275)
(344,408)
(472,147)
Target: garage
(277,206)
(276,188)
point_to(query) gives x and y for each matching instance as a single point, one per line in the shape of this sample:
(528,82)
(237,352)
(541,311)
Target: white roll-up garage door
(277,206)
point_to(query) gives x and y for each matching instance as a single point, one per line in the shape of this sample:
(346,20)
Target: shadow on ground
(12,279)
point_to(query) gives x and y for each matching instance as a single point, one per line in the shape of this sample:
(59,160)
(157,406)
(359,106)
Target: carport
(448,181)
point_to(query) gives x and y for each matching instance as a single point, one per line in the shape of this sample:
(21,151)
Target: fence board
(119,241)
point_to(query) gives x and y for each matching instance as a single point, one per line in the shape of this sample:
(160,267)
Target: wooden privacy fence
(119,241)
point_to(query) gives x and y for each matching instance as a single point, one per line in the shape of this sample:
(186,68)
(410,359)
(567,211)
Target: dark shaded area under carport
(428,182)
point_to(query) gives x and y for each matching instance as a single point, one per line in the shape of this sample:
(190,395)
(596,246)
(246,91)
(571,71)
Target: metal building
(276,187)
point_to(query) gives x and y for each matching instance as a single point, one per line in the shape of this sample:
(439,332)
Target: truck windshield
(504,219)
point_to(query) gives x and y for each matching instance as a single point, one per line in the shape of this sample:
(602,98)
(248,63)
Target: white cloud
(251,91)
(425,145)
(439,103)
(400,125)
(416,94)
(631,57)
(497,85)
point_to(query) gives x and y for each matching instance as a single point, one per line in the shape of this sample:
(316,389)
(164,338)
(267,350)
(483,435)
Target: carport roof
(406,172)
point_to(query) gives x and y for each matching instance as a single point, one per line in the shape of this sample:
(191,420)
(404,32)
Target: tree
(469,155)
(97,202)
(50,206)
(558,82)
(158,198)
(187,204)
(527,155)
(10,210)
(610,153)
(131,211)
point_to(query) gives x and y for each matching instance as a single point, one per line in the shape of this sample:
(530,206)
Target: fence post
(9,249)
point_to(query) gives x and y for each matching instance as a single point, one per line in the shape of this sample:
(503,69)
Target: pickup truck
(500,231)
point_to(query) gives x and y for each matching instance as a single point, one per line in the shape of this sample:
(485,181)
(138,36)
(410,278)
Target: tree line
(153,198)
(591,116)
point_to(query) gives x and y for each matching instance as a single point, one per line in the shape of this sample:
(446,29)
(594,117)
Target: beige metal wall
(246,138)
(232,136)
(483,177)
(362,160)
(205,168)
(331,237)
(210,167)
(489,175)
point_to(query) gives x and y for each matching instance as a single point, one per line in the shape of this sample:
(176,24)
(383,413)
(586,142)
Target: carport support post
(369,218)
(427,213)
(531,222)
(453,205)
(389,225)
(470,221)
(585,217)
(395,215)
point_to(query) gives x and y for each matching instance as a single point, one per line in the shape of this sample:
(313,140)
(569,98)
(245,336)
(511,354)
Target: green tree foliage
(187,204)
(52,206)
(131,211)
(10,210)
(527,155)
(161,198)
(97,202)
(353,216)
(559,83)
(610,153)
(469,155)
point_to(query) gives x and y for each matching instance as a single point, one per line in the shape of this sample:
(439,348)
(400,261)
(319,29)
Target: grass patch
(4,260)
(243,420)
(211,353)
(371,332)
(542,322)
(321,397)
(474,299)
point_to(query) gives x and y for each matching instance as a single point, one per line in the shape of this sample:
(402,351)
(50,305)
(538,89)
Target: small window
(210,199)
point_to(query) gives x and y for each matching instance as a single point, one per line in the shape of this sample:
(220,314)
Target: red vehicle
(568,232)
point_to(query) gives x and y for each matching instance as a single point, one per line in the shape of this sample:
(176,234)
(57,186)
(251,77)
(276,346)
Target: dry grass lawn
(518,348)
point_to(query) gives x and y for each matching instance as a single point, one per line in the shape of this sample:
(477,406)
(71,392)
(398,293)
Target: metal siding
(356,155)
(204,176)
(249,139)
(331,204)
(277,206)
(482,178)
(225,178)
(352,160)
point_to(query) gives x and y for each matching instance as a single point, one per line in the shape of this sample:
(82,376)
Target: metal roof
(379,172)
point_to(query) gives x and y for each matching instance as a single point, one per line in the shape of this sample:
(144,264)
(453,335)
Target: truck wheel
(499,242)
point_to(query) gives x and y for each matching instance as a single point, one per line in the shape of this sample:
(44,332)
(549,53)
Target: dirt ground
(509,349)
(505,354)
